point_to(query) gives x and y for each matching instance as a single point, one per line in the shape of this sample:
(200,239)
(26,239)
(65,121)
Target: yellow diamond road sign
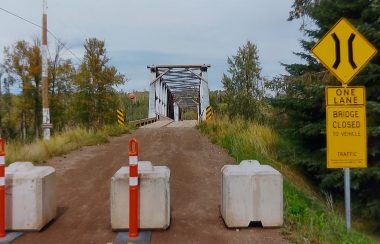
(344,51)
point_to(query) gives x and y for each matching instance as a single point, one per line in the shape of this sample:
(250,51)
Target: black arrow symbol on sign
(350,51)
(337,51)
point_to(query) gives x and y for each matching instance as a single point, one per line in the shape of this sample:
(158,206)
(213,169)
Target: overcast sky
(140,32)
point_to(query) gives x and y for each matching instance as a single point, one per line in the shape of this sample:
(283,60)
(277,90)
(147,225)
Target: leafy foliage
(308,218)
(243,91)
(23,66)
(137,108)
(61,87)
(218,103)
(96,100)
(61,143)
(84,96)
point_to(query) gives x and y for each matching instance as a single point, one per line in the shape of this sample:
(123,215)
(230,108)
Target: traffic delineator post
(133,236)
(133,188)
(2,187)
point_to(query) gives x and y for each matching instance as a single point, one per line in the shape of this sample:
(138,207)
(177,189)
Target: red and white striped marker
(133,188)
(2,187)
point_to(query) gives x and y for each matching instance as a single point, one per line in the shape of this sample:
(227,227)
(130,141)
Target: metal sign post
(346,134)
(347,197)
(345,52)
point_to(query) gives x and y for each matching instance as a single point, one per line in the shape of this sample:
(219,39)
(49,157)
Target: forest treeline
(294,104)
(79,95)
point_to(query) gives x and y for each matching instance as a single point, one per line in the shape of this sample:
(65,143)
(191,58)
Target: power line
(63,44)
(39,26)
(15,15)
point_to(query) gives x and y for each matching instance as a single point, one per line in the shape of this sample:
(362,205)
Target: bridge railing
(142,122)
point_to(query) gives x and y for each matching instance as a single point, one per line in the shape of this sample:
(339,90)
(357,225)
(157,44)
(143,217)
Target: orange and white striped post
(2,187)
(133,188)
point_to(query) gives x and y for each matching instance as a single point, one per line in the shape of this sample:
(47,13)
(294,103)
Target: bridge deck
(170,123)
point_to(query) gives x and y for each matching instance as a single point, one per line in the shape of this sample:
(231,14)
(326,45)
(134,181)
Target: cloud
(138,33)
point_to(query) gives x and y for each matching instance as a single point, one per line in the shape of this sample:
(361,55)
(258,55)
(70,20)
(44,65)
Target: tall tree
(243,91)
(22,64)
(61,78)
(17,65)
(8,128)
(96,99)
(34,70)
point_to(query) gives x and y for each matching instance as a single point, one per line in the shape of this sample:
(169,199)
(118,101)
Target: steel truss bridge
(174,88)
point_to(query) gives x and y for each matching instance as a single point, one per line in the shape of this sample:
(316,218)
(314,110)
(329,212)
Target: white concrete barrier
(251,192)
(30,196)
(154,197)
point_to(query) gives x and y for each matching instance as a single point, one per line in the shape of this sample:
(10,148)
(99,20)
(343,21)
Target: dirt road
(83,185)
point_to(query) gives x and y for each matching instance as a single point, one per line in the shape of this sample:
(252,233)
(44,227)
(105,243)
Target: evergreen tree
(243,91)
(300,96)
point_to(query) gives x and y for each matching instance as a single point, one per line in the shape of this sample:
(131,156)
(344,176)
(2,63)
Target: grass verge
(39,151)
(308,216)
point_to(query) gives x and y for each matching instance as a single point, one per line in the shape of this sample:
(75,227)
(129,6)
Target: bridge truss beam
(174,88)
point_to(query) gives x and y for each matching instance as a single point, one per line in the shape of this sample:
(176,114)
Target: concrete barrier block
(30,196)
(251,192)
(154,197)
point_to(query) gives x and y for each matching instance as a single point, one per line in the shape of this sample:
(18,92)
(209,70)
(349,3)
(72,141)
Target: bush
(69,140)
(308,218)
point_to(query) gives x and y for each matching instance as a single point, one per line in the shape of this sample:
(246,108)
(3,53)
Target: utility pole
(45,99)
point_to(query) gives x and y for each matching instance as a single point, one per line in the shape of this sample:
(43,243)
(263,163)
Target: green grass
(309,217)
(135,110)
(39,151)
(242,139)
(189,115)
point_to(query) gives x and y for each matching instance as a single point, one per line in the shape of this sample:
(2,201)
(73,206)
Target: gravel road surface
(83,185)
